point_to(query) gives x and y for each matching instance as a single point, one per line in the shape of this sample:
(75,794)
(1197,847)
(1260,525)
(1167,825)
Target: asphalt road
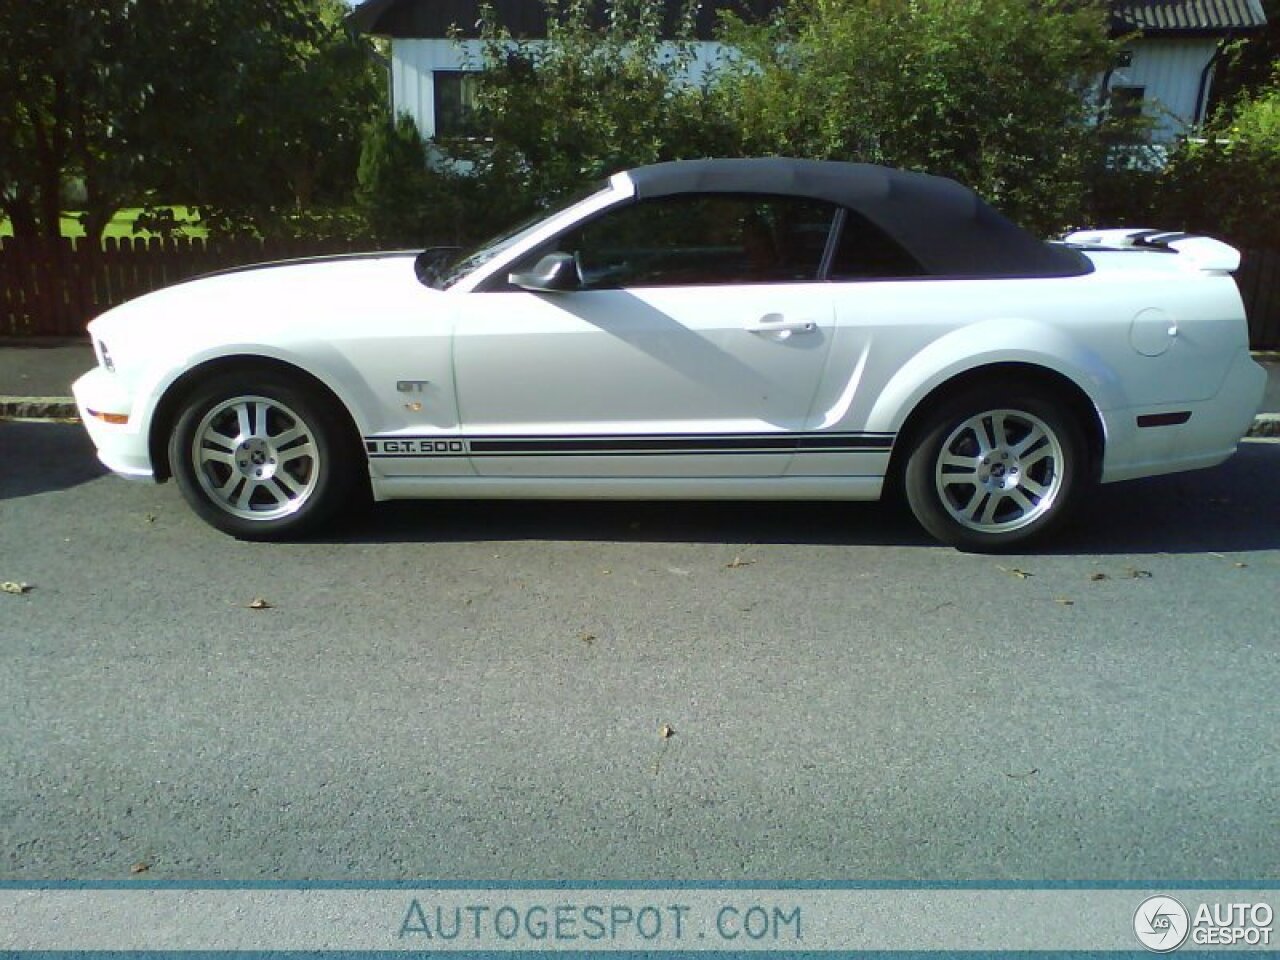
(476,691)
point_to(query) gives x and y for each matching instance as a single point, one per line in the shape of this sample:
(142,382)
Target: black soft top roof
(948,228)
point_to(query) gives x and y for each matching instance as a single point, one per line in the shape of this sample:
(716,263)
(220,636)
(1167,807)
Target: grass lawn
(121,224)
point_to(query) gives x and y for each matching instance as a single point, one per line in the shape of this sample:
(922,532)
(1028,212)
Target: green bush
(998,94)
(391,190)
(603,92)
(1228,182)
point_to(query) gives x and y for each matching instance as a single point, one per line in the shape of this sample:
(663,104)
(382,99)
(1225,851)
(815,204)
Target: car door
(887,309)
(693,347)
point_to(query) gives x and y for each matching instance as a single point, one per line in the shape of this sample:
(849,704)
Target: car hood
(269,304)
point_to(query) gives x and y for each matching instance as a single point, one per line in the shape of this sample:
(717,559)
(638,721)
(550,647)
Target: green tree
(999,94)
(1248,63)
(240,107)
(1228,182)
(612,85)
(271,122)
(392,180)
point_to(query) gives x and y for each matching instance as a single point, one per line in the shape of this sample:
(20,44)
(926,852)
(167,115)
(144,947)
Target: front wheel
(994,469)
(261,458)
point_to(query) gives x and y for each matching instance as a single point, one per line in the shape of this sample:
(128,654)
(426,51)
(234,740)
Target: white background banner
(611,919)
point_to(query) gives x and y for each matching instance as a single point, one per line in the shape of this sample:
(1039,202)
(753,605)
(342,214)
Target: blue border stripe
(619,955)
(1157,886)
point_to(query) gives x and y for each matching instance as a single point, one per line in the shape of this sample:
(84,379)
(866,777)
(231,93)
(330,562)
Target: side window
(699,239)
(865,252)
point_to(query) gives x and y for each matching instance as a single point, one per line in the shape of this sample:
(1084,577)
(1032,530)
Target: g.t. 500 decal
(416,447)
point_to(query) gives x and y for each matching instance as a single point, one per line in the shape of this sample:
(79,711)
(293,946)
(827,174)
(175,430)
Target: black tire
(284,478)
(1016,462)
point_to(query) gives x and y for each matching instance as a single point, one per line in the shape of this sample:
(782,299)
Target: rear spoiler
(1200,253)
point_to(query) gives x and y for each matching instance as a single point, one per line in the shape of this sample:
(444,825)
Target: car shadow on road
(633,521)
(44,457)
(1227,509)
(1232,508)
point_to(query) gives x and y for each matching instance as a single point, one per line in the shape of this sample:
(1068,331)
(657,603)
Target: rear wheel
(995,468)
(261,458)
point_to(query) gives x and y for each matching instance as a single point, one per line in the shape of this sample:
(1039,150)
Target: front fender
(986,343)
(323,362)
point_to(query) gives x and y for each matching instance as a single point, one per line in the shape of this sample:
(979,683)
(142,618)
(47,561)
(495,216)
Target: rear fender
(997,341)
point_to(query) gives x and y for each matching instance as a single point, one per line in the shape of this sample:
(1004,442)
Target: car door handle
(777,324)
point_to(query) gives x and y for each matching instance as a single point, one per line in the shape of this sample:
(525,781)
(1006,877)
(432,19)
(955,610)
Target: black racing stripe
(651,445)
(860,441)
(642,453)
(630,444)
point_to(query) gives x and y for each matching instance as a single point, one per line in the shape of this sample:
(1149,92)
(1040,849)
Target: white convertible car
(746,329)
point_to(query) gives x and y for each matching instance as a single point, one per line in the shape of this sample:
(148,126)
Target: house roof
(1196,17)
(947,227)
(528,18)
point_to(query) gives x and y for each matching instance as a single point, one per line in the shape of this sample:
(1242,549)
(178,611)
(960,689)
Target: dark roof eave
(367,16)
(1150,18)
(1189,33)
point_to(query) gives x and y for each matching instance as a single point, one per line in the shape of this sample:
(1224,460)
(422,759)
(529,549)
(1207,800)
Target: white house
(1165,71)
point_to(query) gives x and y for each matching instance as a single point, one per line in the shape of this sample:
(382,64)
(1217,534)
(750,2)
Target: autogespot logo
(1161,924)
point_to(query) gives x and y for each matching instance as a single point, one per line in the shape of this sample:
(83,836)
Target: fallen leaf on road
(666,732)
(588,638)
(1022,776)
(1239,565)
(257,603)
(150,518)
(1015,572)
(140,867)
(1064,601)
(1134,574)
(738,562)
(19,588)
(1098,576)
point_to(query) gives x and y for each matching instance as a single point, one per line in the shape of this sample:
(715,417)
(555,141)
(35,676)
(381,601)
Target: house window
(455,103)
(1126,102)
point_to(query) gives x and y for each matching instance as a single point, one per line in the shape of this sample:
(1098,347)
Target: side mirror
(554,272)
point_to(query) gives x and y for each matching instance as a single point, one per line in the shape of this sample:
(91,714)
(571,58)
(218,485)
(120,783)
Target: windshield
(448,272)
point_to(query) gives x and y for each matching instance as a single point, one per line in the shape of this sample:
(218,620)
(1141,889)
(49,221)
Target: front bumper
(1207,438)
(122,447)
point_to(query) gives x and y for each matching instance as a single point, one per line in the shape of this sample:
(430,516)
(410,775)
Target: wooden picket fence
(1259,281)
(56,292)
